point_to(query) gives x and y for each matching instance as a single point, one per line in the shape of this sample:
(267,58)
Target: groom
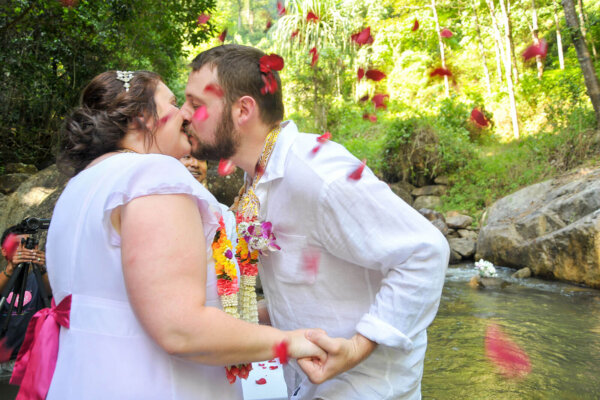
(355,260)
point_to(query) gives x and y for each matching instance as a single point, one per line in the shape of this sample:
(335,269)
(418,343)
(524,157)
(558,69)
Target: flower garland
(227,289)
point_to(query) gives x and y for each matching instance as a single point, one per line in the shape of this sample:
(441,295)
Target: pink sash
(37,357)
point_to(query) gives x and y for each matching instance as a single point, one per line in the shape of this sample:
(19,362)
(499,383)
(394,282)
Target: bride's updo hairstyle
(110,105)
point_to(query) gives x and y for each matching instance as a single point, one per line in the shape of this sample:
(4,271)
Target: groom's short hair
(238,71)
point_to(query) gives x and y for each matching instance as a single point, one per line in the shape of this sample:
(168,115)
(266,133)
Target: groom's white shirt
(381,268)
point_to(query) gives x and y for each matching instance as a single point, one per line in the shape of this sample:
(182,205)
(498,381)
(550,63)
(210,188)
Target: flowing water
(556,324)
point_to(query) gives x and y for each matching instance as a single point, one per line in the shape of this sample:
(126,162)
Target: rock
(452,234)
(224,188)
(467,234)
(464,247)
(431,215)
(454,257)
(400,189)
(522,273)
(13,168)
(441,180)
(482,283)
(441,225)
(431,190)
(552,227)
(459,221)
(11,182)
(427,202)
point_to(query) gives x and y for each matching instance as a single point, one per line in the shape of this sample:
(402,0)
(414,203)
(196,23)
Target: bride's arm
(164,265)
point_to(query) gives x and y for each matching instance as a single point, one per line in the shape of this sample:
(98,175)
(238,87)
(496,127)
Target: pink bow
(37,357)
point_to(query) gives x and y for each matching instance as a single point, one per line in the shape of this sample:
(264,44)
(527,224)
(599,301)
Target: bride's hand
(300,347)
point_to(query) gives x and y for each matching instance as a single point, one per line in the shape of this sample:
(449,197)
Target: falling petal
(446,33)
(378,100)
(315,56)
(370,117)
(479,118)
(324,137)
(271,62)
(540,49)
(273,367)
(269,25)
(364,98)
(415,25)
(357,173)
(294,34)
(223,35)
(310,262)
(311,16)
(10,245)
(261,381)
(270,83)
(281,352)
(505,354)
(214,88)
(362,37)
(375,75)
(200,114)
(280,9)
(440,71)
(203,18)
(226,167)
(361,73)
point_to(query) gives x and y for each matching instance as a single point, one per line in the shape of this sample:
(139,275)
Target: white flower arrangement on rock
(486,269)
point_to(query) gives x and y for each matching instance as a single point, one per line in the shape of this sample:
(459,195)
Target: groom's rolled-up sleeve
(363,222)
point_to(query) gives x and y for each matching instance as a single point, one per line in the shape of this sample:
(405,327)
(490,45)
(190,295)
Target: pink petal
(324,137)
(200,114)
(203,18)
(10,245)
(226,167)
(371,117)
(280,9)
(446,33)
(223,35)
(479,118)
(311,16)
(357,173)
(505,354)
(378,100)
(281,352)
(362,37)
(294,34)
(415,25)
(214,88)
(315,56)
(261,381)
(269,24)
(361,73)
(375,74)
(273,367)
(540,49)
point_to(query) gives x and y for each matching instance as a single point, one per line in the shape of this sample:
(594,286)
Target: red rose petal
(315,56)
(415,25)
(440,71)
(479,118)
(375,75)
(360,73)
(271,62)
(223,35)
(226,167)
(294,34)
(261,381)
(281,352)
(362,37)
(357,173)
(540,49)
(446,33)
(378,100)
(370,117)
(273,367)
(280,9)
(311,16)
(269,25)
(203,18)
(324,137)
(505,354)
(364,98)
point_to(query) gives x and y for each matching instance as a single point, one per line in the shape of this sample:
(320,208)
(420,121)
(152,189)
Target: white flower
(486,269)
(243,228)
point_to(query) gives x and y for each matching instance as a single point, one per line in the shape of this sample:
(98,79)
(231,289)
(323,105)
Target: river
(556,324)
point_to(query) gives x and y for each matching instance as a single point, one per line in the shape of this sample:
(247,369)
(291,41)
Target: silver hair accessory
(125,77)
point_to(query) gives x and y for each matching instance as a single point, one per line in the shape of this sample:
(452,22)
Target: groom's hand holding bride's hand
(300,347)
(342,355)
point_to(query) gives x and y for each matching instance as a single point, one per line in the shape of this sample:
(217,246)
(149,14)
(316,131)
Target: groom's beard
(227,141)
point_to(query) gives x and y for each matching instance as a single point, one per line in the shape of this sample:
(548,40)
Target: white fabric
(381,270)
(106,354)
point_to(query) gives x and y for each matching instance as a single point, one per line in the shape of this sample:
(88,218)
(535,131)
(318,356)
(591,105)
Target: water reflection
(557,324)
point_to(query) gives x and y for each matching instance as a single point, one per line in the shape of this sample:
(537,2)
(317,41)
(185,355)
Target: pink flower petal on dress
(226,167)
(357,173)
(505,354)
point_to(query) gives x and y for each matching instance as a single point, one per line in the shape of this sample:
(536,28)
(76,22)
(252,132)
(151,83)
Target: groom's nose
(187,111)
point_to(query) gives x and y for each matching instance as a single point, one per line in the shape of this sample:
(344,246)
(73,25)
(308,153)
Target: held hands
(300,347)
(342,355)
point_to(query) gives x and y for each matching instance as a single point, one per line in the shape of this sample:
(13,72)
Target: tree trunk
(536,39)
(583,23)
(561,58)
(239,27)
(510,47)
(583,55)
(441,44)
(482,50)
(497,40)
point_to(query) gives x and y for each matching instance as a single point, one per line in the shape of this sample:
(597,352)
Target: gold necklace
(247,203)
